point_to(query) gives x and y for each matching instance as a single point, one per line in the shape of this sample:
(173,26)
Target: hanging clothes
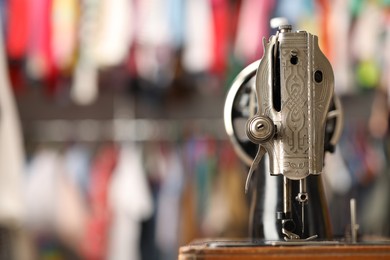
(64,23)
(17,28)
(97,228)
(40,64)
(176,19)
(198,45)
(11,149)
(227,212)
(54,203)
(12,206)
(385,77)
(115,32)
(131,203)
(221,24)
(365,43)
(168,204)
(77,160)
(252,27)
(153,52)
(84,89)
(41,195)
(339,28)
(71,212)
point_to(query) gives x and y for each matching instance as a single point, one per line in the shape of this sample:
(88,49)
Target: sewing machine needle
(302,198)
(303,218)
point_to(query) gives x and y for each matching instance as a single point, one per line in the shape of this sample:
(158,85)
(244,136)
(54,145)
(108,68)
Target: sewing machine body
(288,118)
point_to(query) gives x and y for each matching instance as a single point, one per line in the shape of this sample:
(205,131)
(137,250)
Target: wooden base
(204,250)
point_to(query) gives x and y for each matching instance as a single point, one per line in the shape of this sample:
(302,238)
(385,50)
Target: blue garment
(77,160)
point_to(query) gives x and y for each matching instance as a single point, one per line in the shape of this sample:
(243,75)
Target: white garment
(340,23)
(84,89)
(153,54)
(41,190)
(364,44)
(11,149)
(115,32)
(336,173)
(198,42)
(131,202)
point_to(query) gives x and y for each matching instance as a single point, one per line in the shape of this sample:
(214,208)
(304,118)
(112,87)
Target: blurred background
(112,144)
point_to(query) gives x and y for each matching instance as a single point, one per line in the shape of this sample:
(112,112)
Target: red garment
(16,40)
(220,10)
(41,64)
(324,12)
(253,25)
(96,237)
(17,28)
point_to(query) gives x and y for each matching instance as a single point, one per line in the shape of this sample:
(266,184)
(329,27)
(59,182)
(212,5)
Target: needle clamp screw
(260,129)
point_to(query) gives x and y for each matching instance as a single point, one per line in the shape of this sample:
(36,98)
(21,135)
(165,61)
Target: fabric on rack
(227,213)
(17,28)
(385,79)
(292,11)
(324,30)
(71,210)
(12,205)
(114,33)
(153,52)
(176,22)
(98,222)
(84,89)
(198,45)
(365,43)
(375,216)
(54,203)
(202,178)
(64,17)
(168,207)
(189,229)
(221,23)
(151,154)
(131,202)
(41,195)
(188,222)
(40,62)
(339,28)
(336,174)
(252,27)
(11,149)
(77,159)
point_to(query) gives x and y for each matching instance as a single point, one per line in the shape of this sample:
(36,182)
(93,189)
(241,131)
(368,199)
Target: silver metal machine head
(294,86)
(292,115)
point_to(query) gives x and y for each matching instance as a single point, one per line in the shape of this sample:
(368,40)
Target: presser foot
(292,237)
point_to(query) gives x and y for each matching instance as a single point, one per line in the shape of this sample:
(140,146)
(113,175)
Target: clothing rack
(125,130)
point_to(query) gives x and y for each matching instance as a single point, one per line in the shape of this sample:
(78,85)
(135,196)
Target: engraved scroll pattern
(294,106)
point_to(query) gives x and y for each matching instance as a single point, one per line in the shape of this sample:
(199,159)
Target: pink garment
(40,62)
(253,25)
(98,223)
(221,23)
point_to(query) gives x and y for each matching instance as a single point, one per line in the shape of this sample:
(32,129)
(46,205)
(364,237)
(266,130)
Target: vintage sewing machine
(282,116)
